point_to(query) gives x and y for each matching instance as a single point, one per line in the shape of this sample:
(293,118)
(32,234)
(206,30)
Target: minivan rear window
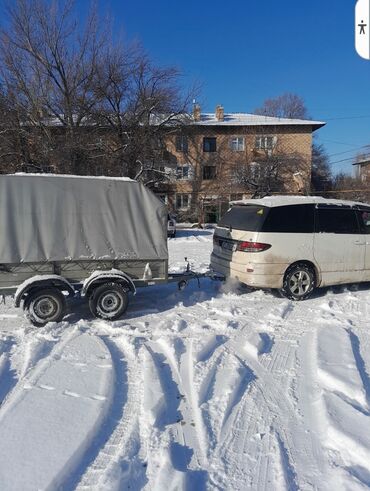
(244,217)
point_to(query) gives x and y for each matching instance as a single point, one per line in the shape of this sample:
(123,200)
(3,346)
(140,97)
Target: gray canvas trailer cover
(72,226)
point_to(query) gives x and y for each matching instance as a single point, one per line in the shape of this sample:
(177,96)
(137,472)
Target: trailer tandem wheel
(45,305)
(108,301)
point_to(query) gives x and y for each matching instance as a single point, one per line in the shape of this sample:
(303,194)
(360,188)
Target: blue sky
(247,50)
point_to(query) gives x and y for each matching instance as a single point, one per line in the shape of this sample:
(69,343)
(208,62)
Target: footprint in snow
(70,394)
(97,397)
(46,387)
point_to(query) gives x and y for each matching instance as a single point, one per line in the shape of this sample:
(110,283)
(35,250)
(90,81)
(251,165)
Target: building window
(209,172)
(209,144)
(182,172)
(237,144)
(182,201)
(265,142)
(181,143)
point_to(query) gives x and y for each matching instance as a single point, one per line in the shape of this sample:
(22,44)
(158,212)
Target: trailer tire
(108,301)
(45,305)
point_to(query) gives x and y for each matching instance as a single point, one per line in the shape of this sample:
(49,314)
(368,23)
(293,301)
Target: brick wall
(293,142)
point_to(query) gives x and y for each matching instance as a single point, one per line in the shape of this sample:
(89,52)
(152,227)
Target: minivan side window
(296,219)
(336,221)
(364,219)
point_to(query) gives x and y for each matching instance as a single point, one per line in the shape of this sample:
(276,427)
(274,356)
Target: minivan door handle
(357,242)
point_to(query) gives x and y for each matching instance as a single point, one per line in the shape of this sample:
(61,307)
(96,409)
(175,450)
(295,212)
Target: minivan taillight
(252,246)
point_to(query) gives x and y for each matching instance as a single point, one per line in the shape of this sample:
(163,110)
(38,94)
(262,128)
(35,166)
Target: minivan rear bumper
(264,275)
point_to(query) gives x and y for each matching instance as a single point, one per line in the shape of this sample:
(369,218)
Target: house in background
(362,168)
(214,150)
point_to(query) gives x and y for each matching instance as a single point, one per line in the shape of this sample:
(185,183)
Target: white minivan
(294,243)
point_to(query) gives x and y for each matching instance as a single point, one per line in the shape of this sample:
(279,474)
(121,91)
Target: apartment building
(210,156)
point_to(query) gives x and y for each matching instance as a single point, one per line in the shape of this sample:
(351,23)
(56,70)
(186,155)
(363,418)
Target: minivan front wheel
(299,282)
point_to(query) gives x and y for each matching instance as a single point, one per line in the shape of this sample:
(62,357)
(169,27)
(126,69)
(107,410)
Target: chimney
(219,113)
(196,112)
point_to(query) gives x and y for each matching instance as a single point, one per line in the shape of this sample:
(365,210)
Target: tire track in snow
(117,463)
(271,396)
(191,431)
(240,396)
(290,476)
(247,457)
(345,399)
(360,363)
(37,350)
(8,375)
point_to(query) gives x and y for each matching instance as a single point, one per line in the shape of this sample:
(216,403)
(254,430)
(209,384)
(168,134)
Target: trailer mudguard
(42,281)
(99,277)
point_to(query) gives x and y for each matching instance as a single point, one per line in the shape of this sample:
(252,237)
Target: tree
(293,106)
(141,104)
(48,64)
(321,177)
(80,101)
(284,106)
(271,174)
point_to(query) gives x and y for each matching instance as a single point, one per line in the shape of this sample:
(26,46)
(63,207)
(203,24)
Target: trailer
(96,236)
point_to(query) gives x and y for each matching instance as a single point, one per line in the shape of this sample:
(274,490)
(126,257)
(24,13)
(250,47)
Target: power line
(347,151)
(346,117)
(339,161)
(339,143)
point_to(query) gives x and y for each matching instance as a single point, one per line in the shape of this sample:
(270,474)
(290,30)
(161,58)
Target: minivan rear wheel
(299,282)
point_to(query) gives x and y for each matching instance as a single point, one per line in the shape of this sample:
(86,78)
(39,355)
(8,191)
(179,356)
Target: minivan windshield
(244,217)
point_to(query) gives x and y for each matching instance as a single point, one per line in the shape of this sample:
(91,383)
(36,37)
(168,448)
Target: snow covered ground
(210,388)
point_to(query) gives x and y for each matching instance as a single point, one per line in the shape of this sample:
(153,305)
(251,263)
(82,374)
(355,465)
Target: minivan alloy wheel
(299,282)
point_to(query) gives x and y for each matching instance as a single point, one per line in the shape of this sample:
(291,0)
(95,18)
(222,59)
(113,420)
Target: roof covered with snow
(272,201)
(70,176)
(246,119)
(209,119)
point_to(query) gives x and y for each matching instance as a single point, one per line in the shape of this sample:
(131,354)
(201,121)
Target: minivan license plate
(229,246)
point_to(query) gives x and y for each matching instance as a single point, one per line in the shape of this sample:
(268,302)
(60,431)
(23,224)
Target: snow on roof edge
(249,119)
(71,176)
